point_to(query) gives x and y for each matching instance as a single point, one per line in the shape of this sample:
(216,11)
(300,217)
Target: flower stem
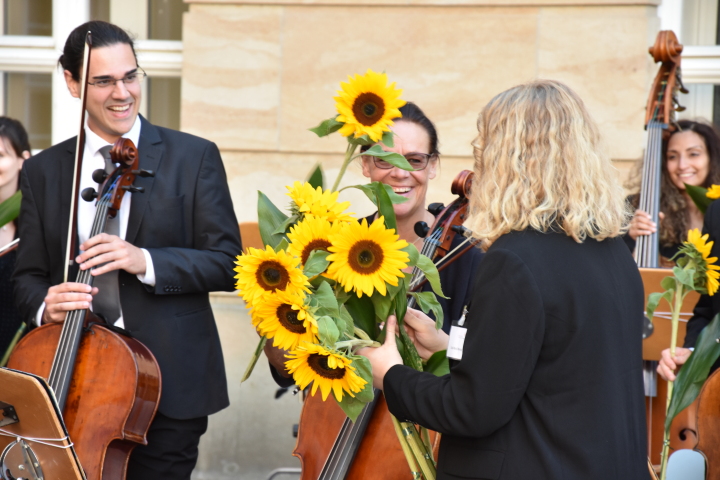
(406,449)
(348,158)
(677,304)
(356,342)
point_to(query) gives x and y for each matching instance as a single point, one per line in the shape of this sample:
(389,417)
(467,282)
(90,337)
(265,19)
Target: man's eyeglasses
(130,79)
(418,161)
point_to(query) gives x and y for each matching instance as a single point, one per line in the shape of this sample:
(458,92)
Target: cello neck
(646,248)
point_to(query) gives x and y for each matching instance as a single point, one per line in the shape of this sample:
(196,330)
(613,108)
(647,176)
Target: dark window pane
(100,10)
(164,102)
(28,17)
(165,19)
(28,98)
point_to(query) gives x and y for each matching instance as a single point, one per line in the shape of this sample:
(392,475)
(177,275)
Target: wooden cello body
(370,447)
(113,394)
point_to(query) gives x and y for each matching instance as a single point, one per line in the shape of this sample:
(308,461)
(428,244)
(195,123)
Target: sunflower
(286,318)
(325,368)
(364,258)
(713,192)
(260,272)
(367,105)
(700,243)
(313,201)
(310,234)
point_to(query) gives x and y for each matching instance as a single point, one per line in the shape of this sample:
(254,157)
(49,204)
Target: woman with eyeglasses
(416,138)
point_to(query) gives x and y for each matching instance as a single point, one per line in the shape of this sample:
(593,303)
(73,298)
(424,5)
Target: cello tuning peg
(133,189)
(679,82)
(421,229)
(89,194)
(435,208)
(99,175)
(144,173)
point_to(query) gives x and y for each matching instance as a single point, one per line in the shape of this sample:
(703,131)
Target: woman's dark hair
(103,35)
(412,113)
(674,227)
(14,133)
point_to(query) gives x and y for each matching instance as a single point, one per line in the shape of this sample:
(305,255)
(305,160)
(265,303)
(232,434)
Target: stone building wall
(257,74)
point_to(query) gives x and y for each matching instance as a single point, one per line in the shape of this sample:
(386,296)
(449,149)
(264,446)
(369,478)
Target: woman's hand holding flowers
(384,357)
(421,330)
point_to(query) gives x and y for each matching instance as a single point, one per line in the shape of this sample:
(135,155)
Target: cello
(107,384)
(329,445)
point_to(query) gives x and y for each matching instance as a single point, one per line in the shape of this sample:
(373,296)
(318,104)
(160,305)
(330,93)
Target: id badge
(457,338)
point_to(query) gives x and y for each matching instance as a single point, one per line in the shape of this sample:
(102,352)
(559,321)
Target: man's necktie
(107,300)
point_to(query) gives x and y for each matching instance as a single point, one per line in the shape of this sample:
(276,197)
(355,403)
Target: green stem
(357,342)
(677,305)
(423,459)
(348,158)
(406,449)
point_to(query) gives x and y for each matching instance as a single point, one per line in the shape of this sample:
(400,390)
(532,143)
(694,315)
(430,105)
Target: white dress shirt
(93,160)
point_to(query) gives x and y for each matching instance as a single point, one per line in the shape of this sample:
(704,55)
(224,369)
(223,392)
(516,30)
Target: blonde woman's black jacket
(550,382)
(185,219)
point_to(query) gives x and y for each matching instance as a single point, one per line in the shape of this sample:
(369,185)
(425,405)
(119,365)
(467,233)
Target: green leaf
(431,273)
(693,374)
(653,300)
(282,245)
(327,127)
(10,208)
(383,305)
(438,364)
(412,251)
(316,264)
(254,359)
(394,159)
(387,139)
(362,140)
(269,219)
(316,178)
(325,301)
(351,406)
(400,299)
(284,226)
(327,330)
(699,196)
(668,283)
(428,302)
(370,191)
(349,323)
(685,277)
(364,369)
(363,313)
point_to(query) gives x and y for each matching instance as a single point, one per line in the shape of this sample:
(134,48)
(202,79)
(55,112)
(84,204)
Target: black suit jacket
(550,383)
(185,220)
(707,306)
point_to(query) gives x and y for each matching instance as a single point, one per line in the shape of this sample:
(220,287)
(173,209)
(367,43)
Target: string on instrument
(64,360)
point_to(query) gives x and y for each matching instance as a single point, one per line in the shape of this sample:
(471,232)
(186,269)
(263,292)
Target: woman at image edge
(550,382)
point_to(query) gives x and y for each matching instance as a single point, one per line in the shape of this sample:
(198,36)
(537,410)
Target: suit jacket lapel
(66,174)
(151,151)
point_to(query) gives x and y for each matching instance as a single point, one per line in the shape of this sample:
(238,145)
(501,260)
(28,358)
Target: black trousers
(171,452)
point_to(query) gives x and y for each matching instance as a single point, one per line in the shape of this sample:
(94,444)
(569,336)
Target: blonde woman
(549,384)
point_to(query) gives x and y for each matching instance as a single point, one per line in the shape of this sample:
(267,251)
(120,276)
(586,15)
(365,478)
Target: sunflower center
(365,257)
(368,108)
(319,364)
(271,276)
(289,319)
(316,244)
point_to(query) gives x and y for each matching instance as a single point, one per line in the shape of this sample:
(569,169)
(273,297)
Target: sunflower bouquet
(325,282)
(695,271)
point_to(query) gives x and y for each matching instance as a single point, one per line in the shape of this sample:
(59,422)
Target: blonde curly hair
(538,164)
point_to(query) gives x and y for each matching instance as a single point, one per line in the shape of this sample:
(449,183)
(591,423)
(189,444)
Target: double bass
(107,384)
(660,117)
(329,445)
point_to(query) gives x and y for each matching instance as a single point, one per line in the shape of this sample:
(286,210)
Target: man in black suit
(174,243)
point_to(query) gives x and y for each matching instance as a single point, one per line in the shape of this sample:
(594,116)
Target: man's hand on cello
(64,298)
(112,253)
